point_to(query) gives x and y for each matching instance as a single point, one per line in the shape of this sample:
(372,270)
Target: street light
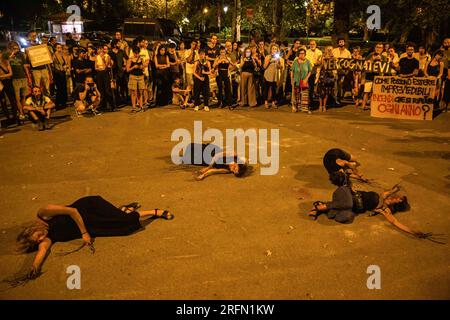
(225,9)
(205,11)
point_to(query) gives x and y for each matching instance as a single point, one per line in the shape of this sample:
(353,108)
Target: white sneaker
(206,109)
(196,108)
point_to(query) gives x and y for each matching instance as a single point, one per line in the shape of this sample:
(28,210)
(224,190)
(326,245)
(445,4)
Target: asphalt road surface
(231,238)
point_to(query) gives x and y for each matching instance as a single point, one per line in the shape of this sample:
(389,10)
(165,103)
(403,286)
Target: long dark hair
(242,170)
(339,178)
(400,206)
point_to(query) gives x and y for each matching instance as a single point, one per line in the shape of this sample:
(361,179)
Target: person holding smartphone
(87,97)
(273,64)
(136,82)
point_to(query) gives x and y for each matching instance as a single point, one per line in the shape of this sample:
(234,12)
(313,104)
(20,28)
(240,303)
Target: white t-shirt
(190,66)
(30,102)
(314,57)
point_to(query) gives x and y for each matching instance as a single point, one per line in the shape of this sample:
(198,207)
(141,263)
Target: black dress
(101,218)
(205,158)
(329,160)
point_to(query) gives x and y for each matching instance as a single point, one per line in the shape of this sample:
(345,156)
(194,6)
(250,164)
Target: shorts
(21,88)
(136,83)
(42,75)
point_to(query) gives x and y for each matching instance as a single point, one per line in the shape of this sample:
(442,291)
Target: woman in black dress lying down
(86,218)
(214,159)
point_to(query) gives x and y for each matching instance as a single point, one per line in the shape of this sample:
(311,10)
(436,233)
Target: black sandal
(166,215)
(316,213)
(134,206)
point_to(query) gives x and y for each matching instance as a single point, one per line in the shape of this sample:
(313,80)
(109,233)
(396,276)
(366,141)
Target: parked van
(151,29)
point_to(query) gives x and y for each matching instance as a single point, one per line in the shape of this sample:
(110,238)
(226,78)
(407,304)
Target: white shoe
(206,109)
(196,108)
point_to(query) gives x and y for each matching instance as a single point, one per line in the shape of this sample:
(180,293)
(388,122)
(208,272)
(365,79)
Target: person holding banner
(325,81)
(42,75)
(446,78)
(340,52)
(393,60)
(314,55)
(435,69)
(409,66)
(369,77)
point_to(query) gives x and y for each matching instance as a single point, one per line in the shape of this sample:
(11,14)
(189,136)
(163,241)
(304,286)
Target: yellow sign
(403,98)
(39,55)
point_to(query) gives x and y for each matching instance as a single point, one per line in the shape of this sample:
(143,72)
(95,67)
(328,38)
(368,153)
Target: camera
(91,85)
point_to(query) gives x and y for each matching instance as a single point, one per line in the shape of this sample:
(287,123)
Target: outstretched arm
(388,215)
(39,259)
(210,172)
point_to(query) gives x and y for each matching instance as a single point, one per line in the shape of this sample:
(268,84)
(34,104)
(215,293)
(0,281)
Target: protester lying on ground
(86,218)
(87,97)
(340,160)
(347,204)
(39,108)
(216,160)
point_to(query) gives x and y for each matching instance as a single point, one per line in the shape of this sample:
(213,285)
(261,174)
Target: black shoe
(41,126)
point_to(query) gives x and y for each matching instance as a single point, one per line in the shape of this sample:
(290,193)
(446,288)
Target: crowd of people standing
(106,77)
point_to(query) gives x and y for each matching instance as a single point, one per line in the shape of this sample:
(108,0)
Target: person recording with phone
(136,82)
(273,66)
(87,97)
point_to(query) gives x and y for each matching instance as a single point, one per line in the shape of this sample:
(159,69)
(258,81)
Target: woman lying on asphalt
(87,217)
(339,160)
(217,161)
(347,204)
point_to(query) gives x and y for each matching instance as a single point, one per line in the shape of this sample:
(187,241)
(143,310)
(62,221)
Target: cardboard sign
(39,55)
(403,98)
(356,65)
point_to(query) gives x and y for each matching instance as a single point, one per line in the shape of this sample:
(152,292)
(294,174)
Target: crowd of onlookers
(103,78)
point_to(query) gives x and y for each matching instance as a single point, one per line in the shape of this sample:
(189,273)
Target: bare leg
(156,213)
(142,98)
(133,99)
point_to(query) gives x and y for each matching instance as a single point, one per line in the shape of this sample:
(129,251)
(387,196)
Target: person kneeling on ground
(39,108)
(181,97)
(87,97)
(216,160)
(346,204)
(340,160)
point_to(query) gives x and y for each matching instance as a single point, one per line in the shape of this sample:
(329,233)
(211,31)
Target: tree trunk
(366,34)
(277,18)
(342,10)
(238,20)
(404,35)
(219,24)
(233,22)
